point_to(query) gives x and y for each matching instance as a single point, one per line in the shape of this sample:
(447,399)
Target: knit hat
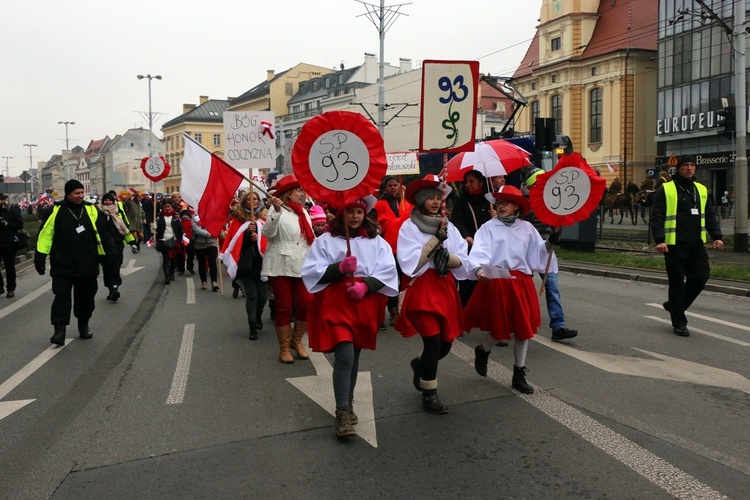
(317,214)
(109,196)
(72,185)
(686,159)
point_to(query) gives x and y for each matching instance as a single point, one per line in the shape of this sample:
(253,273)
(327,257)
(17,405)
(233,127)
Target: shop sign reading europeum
(687,123)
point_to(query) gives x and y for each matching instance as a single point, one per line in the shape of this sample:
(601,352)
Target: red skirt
(334,317)
(431,306)
(504,307)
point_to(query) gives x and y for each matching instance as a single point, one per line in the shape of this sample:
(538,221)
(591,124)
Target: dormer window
(556,44)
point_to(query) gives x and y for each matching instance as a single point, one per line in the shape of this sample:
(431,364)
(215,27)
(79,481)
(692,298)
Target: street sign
(672,162)
(25,176)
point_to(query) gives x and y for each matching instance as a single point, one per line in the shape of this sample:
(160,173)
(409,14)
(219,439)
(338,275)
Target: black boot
(115,293)
(258,322)
(519,380)
(253,331)
(59,337)
(83,329)
(432,404)
(480,360)
(415,369)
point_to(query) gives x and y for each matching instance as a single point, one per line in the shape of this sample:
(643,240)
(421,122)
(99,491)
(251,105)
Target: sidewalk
(740,288)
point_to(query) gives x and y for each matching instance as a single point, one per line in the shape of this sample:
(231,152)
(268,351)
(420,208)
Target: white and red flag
(208,185)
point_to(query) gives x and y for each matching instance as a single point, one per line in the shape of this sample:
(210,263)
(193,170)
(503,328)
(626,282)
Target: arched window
(595,115)
(557,112)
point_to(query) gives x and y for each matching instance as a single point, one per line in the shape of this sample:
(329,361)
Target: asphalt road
(170,400)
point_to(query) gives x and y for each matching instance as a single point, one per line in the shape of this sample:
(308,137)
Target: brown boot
(284,334)
(299,331)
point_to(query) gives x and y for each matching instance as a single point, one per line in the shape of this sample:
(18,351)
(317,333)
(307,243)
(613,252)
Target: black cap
(686,159)
(72,185)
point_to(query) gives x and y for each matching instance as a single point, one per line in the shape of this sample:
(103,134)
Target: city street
(171,400)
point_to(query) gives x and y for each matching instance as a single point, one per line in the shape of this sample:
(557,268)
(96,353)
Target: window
(217,140)
(535,111)
(533,86)
(556,43)
(595,115)
(593,71)
(557,110)
(199,138)
(554,78)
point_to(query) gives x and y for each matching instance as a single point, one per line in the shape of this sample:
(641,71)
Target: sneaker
(204,286)
(563,333)
(133,248)
(214,287)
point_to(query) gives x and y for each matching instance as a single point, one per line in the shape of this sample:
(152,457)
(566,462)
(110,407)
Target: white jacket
(287,246)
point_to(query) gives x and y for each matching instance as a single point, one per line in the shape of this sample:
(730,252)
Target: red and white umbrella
(491,158)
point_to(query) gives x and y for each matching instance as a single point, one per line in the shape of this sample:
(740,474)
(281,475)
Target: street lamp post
(150,114)
(31,169)
(7,174)
(67,145)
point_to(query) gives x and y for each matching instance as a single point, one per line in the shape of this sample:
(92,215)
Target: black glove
(40,263)
(441,261)
(442,233)
(554,238)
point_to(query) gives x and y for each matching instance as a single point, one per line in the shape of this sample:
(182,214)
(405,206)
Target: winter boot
(284,334)
(415,367)
(59,337)
(519,380)
(353,419)
(258,320)
(343,424)
(114,293)
(431,403)
(480,360)
(83,329)
(299,331)
(253,331)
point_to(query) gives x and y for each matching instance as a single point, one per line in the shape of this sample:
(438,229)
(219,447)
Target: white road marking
(319,388)
(651,467)
(190,283)
(707,318)
(8,407)
(129,269)
(179,380)
(19,303)
(704,332)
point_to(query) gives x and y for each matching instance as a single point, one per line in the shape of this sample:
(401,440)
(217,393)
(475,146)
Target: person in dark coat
(169,227)
(10,223)
(75,237)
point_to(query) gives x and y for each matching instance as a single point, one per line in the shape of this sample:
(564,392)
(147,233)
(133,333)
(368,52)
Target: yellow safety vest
(670,220)
(47,234)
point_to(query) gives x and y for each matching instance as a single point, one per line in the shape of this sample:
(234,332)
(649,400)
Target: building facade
(592,67)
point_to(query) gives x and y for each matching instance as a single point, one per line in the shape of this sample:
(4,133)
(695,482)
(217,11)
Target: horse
(642,201)
(612,201)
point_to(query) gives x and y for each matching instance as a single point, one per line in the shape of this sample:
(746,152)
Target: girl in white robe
(349,296)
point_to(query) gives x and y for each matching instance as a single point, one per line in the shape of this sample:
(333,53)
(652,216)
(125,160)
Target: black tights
(345,370)
(433,351)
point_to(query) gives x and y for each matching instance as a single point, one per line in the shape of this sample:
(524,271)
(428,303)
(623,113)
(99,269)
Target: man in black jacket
(681,216)
(10,223)
(75,237)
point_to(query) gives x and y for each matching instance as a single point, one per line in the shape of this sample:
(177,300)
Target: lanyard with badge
(80,227)
(694,193)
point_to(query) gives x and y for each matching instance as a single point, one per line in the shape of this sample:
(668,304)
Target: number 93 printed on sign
(338,157)
(155,168)
(568,193)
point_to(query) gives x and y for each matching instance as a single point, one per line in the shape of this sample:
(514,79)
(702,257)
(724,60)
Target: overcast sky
(77,60)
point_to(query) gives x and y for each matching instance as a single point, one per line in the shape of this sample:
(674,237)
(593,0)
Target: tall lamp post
(67,145)
(31,168)
(7,174)
(150,114)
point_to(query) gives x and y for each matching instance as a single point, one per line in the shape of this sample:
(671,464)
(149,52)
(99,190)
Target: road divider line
(704,332)
(708,318)
(190,283)
(179,380)
(653,468)
(32,366)
(19,303)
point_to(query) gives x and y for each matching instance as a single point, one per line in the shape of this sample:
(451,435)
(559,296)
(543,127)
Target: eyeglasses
(502,203)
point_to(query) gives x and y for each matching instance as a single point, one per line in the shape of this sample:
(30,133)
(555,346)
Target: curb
(633,275)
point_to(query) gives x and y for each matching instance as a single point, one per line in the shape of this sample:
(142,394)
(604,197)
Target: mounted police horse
(618,201)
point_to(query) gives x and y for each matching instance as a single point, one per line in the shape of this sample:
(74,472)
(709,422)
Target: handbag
(21,240)
(167,244)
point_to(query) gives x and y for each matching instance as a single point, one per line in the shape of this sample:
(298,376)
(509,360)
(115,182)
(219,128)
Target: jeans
(554,305)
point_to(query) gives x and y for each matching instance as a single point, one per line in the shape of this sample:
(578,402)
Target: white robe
(374,259)
(518,247)
(409,248)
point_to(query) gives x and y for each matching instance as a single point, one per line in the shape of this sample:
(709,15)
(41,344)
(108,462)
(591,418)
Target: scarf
(168,210)
(426,223)
(304,225)
(112,212)
(474,191)
(508,220)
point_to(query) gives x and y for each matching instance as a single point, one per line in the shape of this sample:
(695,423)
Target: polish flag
(612,169)
(208,185)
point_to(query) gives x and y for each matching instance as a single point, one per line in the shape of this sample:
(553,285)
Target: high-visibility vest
(670,220)
(47,234)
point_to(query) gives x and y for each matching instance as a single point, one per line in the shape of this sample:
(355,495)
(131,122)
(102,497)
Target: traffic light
(727,119)
(2,178)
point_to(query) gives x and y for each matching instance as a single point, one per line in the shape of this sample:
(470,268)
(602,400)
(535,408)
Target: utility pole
(67,144)
(385,15)
(31,169)
(7,174)
(150,121)
(740,162)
